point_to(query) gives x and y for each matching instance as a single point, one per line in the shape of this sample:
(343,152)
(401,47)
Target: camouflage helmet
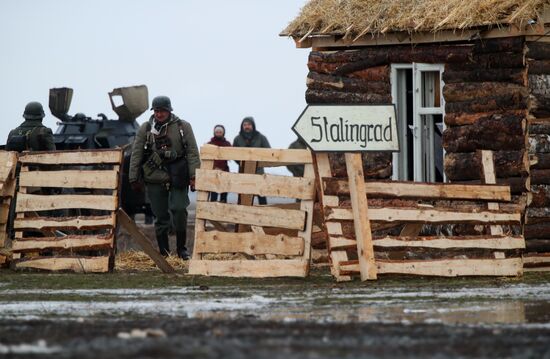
(34,111)
(162,102)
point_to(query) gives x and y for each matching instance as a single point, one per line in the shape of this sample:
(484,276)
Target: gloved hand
(192,184)
(170,155)
(137,187)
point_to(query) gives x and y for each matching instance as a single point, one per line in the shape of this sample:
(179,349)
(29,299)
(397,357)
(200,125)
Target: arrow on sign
(348,128)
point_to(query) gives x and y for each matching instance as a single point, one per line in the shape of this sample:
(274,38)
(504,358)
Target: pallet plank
(78,157)
(249,243)
(36,202)
(48,223)
(427,215)
(93,179)
(486,242)
(73,242)
(210,152)
(445,267)
(250,268)
(252,184)
(251,215)
(398,189)
(75,264)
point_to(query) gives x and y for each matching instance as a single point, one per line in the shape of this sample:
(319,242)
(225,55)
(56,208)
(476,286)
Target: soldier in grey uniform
(31,135)
(165,157)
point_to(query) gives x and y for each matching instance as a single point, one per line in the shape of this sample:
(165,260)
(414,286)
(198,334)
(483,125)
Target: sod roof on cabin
(361,17)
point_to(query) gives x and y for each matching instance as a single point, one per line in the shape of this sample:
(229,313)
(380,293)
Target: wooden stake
(488,165)
(136,234)
(361,222)
(248,167)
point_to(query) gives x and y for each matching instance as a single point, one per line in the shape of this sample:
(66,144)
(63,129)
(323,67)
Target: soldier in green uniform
(31,135)
(165,157)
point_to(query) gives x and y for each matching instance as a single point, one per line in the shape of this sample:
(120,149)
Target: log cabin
(465,76)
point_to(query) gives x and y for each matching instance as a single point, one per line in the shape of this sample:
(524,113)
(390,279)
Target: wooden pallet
(406,207)
(66,210)
(281,235)
(8,164)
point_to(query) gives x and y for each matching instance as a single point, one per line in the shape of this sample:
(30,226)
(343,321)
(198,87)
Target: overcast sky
(218,60)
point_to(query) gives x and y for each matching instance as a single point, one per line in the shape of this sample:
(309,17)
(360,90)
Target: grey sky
(219,61)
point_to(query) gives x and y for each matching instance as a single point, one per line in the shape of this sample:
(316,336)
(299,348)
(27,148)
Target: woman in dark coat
(219,140)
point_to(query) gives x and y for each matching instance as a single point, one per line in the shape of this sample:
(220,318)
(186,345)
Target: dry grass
(361,17)
(139,261)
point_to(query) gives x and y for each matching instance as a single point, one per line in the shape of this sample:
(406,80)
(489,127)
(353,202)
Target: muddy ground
(150,315)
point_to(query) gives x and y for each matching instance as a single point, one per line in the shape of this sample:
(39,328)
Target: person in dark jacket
(249,136)
(297,170)
(219,140)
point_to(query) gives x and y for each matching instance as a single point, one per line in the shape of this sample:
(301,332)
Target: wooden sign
(348,128)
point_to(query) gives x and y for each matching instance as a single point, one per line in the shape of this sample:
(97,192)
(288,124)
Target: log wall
(537,223)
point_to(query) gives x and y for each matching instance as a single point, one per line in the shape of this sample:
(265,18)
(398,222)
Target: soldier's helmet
(162,102)
(34,111)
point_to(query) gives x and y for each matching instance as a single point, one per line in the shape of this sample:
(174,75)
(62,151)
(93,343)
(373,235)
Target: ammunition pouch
(154,170)
(179,173)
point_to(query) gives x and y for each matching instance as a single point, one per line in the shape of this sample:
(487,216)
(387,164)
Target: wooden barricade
(406,207)
(66,210)
(281,234)
(8,164)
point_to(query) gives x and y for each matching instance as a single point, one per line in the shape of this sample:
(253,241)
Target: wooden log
(540,161)
(540,176)
(540,106)
(490,103)
(518,185)
(495,133)
(538,67)
(317,81)
(260,185)
(427,215)
(249,243)
(539,143)
(335,186)
(461,119)
(460,92)
(537,231)
(141,239)
(468,166)
(539,126)
(332,96)
(537,215)
(540,196)
(487,242)
(76,157)
(35,202)
(70,242)
(92,179)
(446,267)
(250,268)
(255,216)
(537,50)
(537,245)
(210,152)
(376,165)
(539,84)
(487,61)
(74,264)
(516,76)
(505,44)
(53,223)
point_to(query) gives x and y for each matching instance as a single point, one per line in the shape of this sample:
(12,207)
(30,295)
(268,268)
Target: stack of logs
(537,222)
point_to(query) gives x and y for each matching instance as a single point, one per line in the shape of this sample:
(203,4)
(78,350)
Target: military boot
(164,247)
(181,241)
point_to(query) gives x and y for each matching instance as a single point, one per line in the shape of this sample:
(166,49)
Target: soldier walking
(31,135)
(165,157)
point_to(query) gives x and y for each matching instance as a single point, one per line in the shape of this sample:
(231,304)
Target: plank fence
(66,210)
(272,240)
(8,164)
(359,243)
